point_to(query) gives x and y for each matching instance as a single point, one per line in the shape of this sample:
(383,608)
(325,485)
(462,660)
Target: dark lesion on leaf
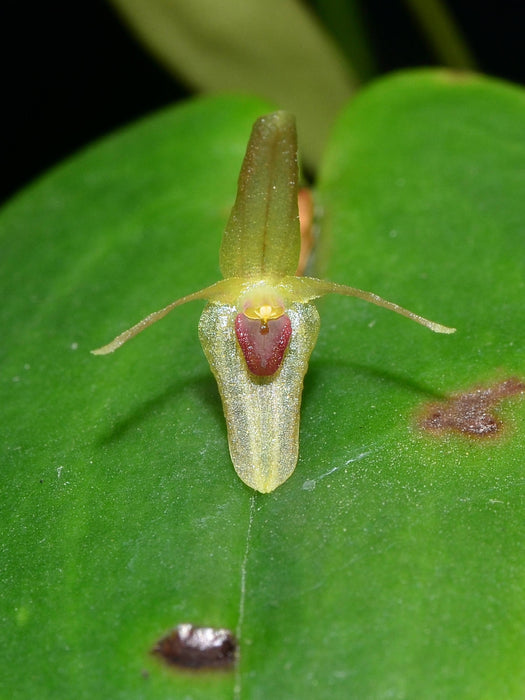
(471,412)
(189,646)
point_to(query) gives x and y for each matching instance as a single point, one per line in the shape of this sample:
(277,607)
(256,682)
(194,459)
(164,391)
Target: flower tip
(438,328)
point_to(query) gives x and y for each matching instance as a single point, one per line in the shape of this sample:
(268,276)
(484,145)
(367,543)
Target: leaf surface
(391,564)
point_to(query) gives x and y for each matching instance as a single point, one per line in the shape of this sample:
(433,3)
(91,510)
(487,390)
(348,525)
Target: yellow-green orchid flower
(259,327)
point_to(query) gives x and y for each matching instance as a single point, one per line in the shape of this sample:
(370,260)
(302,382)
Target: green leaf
(273,48)
(424,545)
(391,563)
(121,513)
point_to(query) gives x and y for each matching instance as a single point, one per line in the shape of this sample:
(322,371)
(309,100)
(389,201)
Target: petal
(226,291)
(304,289)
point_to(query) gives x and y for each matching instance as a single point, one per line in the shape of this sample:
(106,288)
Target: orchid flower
(260,326)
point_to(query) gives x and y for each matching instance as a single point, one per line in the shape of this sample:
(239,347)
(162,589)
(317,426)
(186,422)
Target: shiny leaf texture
(391,564)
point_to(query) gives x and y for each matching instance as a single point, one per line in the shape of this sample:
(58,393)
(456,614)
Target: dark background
(72,72)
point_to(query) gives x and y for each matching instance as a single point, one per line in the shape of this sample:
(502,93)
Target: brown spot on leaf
(198,647)
(471,412)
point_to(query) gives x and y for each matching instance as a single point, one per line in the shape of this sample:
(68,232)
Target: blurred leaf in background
(65,88)
(279,49)
(274,48)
